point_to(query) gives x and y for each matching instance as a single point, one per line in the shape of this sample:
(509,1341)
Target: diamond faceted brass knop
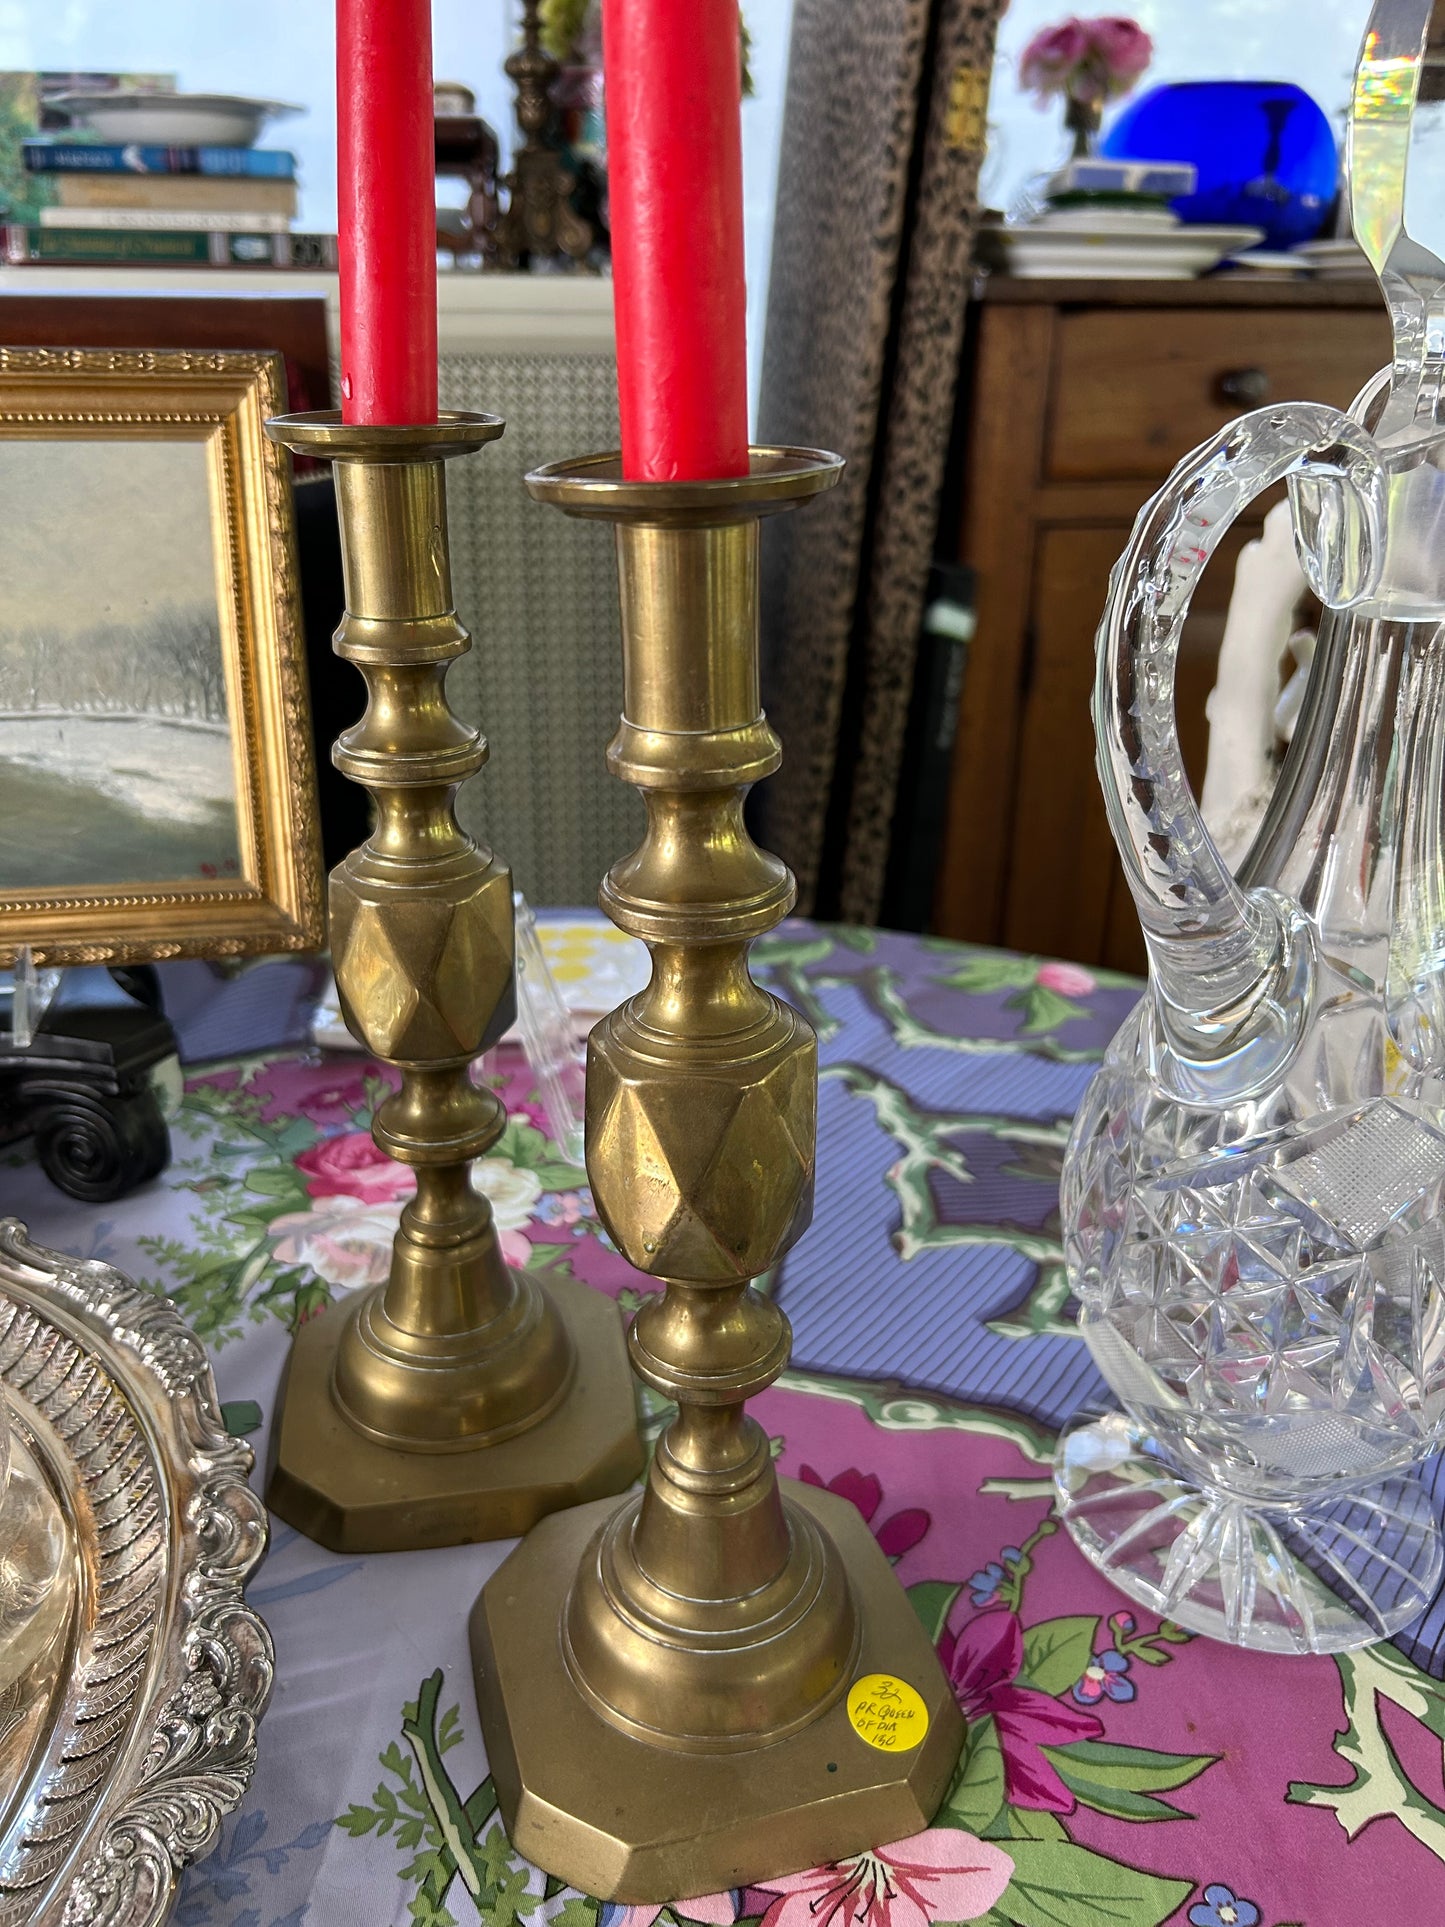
(704,1175)
(425,973)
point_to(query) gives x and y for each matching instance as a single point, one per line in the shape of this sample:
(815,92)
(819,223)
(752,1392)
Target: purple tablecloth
(1117,1774)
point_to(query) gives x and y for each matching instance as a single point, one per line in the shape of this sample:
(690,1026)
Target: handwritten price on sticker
(888,1713)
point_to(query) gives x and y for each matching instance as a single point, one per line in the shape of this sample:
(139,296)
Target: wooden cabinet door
(1066,895)
(1061,860)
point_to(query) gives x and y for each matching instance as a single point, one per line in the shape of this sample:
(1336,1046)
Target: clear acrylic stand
(557,1060)
(31,993)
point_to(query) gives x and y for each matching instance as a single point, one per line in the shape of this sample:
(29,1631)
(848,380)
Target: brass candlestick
(667,1687)
(539,220)
(461,1400)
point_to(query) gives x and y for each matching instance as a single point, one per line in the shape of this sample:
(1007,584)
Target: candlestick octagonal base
(354,1494)
(631,1821)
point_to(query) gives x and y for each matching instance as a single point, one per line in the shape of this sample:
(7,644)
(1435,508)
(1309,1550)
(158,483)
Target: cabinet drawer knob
(1244,387)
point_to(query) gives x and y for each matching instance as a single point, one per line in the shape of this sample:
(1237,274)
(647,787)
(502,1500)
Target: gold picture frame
(150,736)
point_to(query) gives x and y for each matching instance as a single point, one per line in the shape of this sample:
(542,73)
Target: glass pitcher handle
(1227,966)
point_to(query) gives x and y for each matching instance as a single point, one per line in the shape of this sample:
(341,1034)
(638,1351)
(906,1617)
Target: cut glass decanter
(1252,1197)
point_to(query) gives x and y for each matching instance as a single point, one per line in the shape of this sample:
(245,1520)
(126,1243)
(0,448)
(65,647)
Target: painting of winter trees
(116,758)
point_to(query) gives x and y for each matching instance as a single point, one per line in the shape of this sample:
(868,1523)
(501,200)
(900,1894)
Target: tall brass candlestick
(721,1678)
(460,1400)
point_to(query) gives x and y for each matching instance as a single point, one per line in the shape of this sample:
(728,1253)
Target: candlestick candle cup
(720,1679)
(460,1400)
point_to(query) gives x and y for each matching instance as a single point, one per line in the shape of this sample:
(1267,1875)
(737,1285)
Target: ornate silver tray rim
(152,1735)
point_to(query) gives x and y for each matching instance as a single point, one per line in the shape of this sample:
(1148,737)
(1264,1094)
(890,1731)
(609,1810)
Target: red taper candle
(673,74)
(386,182)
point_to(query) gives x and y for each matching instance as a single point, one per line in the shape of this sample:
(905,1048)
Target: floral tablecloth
(1117,1774)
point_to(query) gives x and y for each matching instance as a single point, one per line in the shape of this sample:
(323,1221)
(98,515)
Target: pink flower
(351,1166)
(944,1874)
(714,1910)
(983,1662)
(526,1108)
(899,1533)
(517,1250)
(565,1207)
(1122,49)
(1051,56)
(1089,60)
(1069,980)
(328,1093)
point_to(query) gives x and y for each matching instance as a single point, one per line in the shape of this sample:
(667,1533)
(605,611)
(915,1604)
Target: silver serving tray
(128,1708)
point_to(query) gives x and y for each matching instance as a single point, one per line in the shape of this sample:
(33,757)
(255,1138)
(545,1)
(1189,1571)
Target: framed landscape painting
(157,793)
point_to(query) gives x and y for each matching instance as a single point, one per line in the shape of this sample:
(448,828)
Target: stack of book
(73,193)
(165,206)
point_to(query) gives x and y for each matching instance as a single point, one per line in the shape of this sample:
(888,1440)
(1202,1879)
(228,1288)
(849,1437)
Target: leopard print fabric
(843,582)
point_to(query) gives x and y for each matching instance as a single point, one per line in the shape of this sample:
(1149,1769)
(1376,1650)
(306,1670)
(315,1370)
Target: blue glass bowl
(1265,152)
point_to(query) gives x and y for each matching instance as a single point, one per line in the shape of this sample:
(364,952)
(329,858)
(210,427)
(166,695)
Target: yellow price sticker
(888,1713)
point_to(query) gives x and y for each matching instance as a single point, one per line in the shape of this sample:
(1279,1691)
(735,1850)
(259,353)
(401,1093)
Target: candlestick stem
(449,1403)
(718,1613)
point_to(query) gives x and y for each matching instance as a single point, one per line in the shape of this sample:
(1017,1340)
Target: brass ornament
(461,1399)
(539,221)
(664,1684)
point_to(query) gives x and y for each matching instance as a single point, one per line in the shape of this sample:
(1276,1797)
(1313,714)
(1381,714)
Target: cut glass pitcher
(1254,1187)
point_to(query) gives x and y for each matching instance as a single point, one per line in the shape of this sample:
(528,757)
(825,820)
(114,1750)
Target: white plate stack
(1109,242)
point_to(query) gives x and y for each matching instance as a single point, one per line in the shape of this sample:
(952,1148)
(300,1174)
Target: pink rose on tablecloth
(351,1166)
(943,1874)
(1069,980)
(345,1241)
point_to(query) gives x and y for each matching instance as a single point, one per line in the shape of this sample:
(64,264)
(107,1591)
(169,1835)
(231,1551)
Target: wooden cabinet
(1080,399)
